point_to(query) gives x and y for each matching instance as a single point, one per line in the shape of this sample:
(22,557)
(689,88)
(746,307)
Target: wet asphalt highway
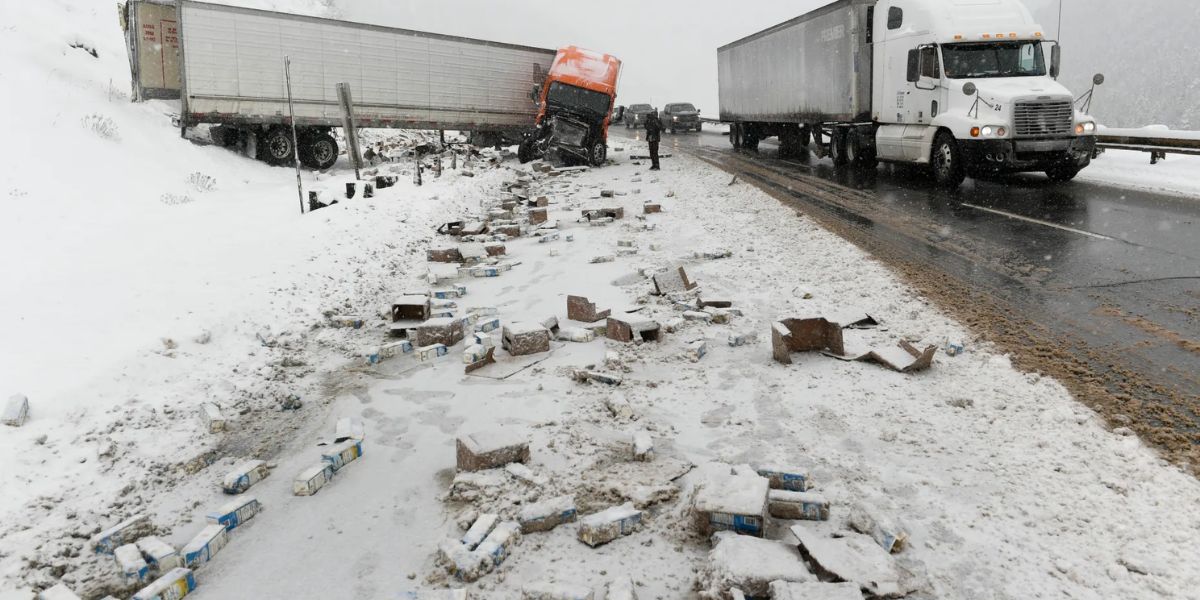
(1098,286)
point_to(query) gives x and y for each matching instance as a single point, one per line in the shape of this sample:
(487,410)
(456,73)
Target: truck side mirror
(914,66)
(1098,79)
(1055,60)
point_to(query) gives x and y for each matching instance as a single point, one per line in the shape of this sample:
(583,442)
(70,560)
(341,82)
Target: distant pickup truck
(635,115)
(681,115)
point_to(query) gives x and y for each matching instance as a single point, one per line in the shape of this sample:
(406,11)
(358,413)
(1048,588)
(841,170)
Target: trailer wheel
(805,136)
(276,146)
(947,161)
(319,151)
(735,135)
(598,154)
(750,138)
(837,147)
(858,151)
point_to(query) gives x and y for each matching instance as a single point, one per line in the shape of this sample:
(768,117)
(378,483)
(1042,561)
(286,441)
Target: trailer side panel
(233,72)
(815,68)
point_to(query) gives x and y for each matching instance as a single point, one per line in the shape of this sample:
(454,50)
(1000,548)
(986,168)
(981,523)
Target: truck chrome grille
(1043,118)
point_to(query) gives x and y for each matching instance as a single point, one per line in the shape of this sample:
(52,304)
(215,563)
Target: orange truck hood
(586,69)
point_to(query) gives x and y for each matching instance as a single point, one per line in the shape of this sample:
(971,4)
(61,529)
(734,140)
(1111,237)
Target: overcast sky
(1147,48)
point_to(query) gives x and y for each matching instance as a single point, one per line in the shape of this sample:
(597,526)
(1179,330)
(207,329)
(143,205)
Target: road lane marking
(1041,222)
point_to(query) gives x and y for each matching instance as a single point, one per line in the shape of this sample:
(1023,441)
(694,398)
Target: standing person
(653,136)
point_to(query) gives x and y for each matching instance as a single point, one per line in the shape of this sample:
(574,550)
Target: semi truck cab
(968,87)
(574,107)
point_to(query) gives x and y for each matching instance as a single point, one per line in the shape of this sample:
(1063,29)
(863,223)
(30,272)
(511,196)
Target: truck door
(924,100)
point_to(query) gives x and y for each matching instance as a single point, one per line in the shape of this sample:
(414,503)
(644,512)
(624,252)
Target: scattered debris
(696,350)
(122,533)
(211,416)
(609,524)
(342,454)
(480,530)
(728,501)
(205,545)
(672,282)
(643,446)
(785,478)
(311,480)
(742,339)
(856,558)
(133,567)
(584,376)
(903,358)
(348,428)
(446,331)
(548,514)
(523,339)
(161,555)
(244,475)
(786,590)
(16,411)
(651,208)
(176,583)
(629,328)
(750,564)
(490,449)
(58,592)
(478,356)
(889,535)
(955,348)
(783,504)
(805,335)
(619,406)
(584,311)
(427,353)
(556,591)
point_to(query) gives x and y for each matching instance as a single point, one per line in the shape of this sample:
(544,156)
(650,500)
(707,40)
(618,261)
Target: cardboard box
(491,449)
(447,331)
(806,506)
(16,411)
(443,255)
(479,530)
(731,502)
(211,416)
(521,339)
(120,534)
(548,514)
(610,524)
(643,447)
(792,479)
(673,281)
(805,335)
(584,311)
(627,328)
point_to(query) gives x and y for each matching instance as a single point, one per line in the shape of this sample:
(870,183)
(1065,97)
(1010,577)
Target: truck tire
(699,126)
(805,137)
(749,138)
(319,151)
(837,147)
(947,161)
(525,151)
(735,135)
(276,146)
(598,153)
(1062,173)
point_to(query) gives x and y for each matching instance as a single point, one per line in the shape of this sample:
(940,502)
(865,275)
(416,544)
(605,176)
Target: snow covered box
(176,584)
(479,530)
(786,590)
(161,555)
(729,502)
(205,545)
(339,455)
(210,415)
(548,514)
(133,567)
(490,449)
(783,504)
(521,339)
(609,524)
(751,564)
(120,534)
(785,478)
(556,591)
(16,411)
(621,588)
(312,479)
(447,331)
(244,475)
(628,327)
(856,558)
(496,546)
(235,513)
(58,592)
(462,562)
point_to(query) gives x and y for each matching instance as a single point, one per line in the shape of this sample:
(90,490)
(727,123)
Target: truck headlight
(674,118)
(988,131)
(1083,128)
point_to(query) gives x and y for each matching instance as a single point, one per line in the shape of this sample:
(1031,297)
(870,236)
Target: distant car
(681,115)
(635,115)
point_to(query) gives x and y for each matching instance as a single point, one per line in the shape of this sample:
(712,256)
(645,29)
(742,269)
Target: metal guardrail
(1158,143)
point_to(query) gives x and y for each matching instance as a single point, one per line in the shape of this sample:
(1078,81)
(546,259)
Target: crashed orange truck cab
(575,105)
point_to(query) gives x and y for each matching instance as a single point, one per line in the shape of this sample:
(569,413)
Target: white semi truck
(964,87)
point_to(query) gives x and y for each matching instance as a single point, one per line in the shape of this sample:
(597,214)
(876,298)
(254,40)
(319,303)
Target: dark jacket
(653,128)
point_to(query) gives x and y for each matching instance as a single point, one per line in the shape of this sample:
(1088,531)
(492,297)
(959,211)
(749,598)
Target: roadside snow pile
(1176,174)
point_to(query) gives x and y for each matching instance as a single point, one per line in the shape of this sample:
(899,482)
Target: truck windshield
(640,108)
(684,107)
(577,98)
(993,59)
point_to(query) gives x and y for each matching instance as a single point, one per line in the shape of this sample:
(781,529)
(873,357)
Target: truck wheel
(805,136)
(735,135)
(837,147)
(699,126)
(598,154)
(947,161)
(525,151)
(749,138)
(319,152)
(276,147)
(1062,173)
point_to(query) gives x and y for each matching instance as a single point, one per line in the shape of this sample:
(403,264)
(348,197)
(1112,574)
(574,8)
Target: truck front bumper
(1028,154)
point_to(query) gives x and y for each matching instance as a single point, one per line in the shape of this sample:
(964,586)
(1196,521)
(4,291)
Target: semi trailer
(226,65)
(963,87)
